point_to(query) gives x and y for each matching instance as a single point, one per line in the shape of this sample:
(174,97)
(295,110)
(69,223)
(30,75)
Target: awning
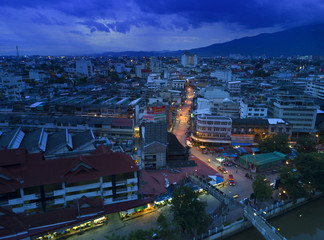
(241,144)
(255,150)
(242,150)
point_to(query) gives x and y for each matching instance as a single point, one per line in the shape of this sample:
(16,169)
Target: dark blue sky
(64,27)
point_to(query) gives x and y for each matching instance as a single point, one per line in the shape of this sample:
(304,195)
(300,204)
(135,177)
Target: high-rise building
(223,75)
(84,67)
(188,59)
(298,110)
(155,64)
(315,89)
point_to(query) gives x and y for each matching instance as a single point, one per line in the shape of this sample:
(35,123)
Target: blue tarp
(255,150)
(224,154)
(241,144)
(241,150)
(163,197)
(232,155)
(220,148)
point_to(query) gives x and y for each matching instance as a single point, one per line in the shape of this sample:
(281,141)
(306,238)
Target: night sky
(65,27)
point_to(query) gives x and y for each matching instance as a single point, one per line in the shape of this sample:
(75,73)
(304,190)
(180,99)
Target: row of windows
(256,114)
(257,109)
(298,114)
(215,123)
(214,129)
(213,135)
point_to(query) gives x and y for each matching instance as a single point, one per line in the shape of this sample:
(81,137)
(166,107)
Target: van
(231,180)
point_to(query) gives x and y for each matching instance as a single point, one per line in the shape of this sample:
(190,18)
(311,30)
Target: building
(212,129)
(189,60)
(223,75)
(315,89)
(138,70)
(249,130)
(39,196)
(279,126)
(178,84)
(153,145)
(84,67)
(250,109)
(298,110)
(234,87)
(155,63)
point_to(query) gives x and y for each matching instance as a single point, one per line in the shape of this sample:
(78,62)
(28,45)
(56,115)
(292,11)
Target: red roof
(35,171)
(153,181)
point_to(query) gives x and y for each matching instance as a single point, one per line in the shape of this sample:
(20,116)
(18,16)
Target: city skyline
(83,27)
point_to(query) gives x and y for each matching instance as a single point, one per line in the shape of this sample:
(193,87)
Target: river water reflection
(304,223)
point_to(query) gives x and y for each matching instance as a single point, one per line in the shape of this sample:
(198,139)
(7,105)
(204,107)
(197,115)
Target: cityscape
(161,120)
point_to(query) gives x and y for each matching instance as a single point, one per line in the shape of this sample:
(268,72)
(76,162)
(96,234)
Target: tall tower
(17,51)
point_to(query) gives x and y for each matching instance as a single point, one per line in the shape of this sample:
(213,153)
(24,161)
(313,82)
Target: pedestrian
(236,170)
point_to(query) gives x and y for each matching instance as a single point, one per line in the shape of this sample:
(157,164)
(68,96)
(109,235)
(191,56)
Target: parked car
(231,181)
(222,170)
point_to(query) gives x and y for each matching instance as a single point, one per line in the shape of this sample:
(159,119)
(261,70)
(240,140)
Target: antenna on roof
(17,51)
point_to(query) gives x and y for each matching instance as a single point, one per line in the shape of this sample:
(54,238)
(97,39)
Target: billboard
(156,110)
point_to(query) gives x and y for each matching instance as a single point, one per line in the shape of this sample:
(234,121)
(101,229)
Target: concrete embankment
(268,213)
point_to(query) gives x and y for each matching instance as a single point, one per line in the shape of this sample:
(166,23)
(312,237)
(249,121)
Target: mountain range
(305,40)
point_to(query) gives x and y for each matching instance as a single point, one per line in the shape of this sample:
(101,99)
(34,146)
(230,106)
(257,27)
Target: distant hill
(306,40)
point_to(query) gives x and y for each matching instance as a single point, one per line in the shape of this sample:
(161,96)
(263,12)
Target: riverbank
(242,225)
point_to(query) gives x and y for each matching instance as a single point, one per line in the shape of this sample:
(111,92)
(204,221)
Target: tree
(115,237)
(306,145)
(311,168)
(188,212)
(167,230)
(273,143)
(290,181)
(262,191)
(140,234)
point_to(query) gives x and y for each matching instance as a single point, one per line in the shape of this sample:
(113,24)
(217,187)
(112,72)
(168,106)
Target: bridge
(269,232)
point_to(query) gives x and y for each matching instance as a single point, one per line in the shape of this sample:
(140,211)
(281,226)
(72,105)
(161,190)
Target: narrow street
(243,186)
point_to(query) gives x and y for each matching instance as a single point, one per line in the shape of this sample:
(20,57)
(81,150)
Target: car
(231,181)
(222,170)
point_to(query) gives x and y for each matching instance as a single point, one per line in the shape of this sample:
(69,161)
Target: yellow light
(284,191)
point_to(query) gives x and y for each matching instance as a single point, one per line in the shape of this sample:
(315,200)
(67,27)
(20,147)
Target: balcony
(107,185)
(29,197)
(107,193)
(82,187)
(120,183)
(132,180)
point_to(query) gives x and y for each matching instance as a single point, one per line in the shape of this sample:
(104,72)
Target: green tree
(311,168)
(115,237)
(167,230)
(306,145)
(290,181)
(262,191)
(140,234)
(189,212)
(273,143)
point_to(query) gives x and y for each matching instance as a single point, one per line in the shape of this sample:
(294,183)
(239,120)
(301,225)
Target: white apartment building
(58,183)
(298,110)
(179,84)
(213,129)
(223,75)
(234,87)
(252,110)
(84,67)
(315,89)
(188,59)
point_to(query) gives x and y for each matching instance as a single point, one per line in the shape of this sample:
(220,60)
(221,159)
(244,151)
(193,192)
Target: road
(243,187)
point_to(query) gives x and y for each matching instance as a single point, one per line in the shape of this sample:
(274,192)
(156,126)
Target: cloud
(95,26)
(91,25)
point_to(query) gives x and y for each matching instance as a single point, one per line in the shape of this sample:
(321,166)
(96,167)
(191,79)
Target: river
(303,223)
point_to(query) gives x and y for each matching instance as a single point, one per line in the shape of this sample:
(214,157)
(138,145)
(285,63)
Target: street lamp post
(253,159)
